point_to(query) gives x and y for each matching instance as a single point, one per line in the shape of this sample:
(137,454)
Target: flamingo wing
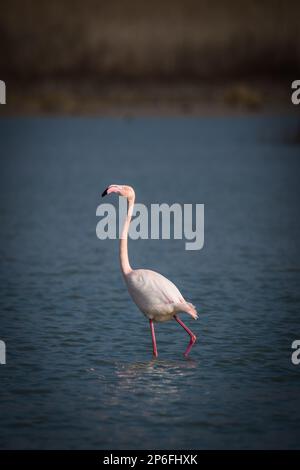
(155,294)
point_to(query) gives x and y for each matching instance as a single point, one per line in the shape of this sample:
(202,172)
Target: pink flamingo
(157,297)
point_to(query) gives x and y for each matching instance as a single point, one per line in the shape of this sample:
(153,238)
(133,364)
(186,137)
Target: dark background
(135,56)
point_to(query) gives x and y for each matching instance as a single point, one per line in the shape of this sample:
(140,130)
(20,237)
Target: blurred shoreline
(133,57)
(118,98)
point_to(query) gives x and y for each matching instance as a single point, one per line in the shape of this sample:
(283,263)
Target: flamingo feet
(155,354)
(191,334)
(191,344)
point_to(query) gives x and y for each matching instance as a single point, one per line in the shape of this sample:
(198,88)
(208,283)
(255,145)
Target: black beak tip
(104,193)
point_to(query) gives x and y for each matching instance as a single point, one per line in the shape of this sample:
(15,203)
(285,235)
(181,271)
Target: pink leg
(192,336)
(153,338)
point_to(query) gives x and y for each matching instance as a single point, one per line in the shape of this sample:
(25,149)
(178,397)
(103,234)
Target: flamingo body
(157,297)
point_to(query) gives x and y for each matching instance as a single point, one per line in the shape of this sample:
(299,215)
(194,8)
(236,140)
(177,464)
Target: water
(79,370)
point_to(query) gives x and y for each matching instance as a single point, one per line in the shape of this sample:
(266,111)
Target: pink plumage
(155,295)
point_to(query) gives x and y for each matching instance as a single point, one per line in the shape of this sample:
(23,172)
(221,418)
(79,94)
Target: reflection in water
(154,379)
(164,370)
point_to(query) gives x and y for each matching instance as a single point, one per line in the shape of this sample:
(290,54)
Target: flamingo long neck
(124,261)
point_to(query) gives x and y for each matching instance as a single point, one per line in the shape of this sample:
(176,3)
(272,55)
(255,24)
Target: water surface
(79,370)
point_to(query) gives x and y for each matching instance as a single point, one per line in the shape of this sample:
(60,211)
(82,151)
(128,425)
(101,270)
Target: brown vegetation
(54,46)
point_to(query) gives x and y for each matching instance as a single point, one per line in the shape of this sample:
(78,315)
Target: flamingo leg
(192,336)
(153,338)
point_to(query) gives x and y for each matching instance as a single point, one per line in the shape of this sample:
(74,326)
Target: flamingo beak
(113,188)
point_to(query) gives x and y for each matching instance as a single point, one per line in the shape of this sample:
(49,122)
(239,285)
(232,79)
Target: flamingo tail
(189,308)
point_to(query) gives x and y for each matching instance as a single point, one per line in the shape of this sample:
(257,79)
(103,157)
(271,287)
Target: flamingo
(157,297)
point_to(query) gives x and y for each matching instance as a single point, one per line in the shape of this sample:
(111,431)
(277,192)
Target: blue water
(79,370)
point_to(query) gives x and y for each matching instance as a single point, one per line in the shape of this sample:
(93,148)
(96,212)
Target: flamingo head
(122,190)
